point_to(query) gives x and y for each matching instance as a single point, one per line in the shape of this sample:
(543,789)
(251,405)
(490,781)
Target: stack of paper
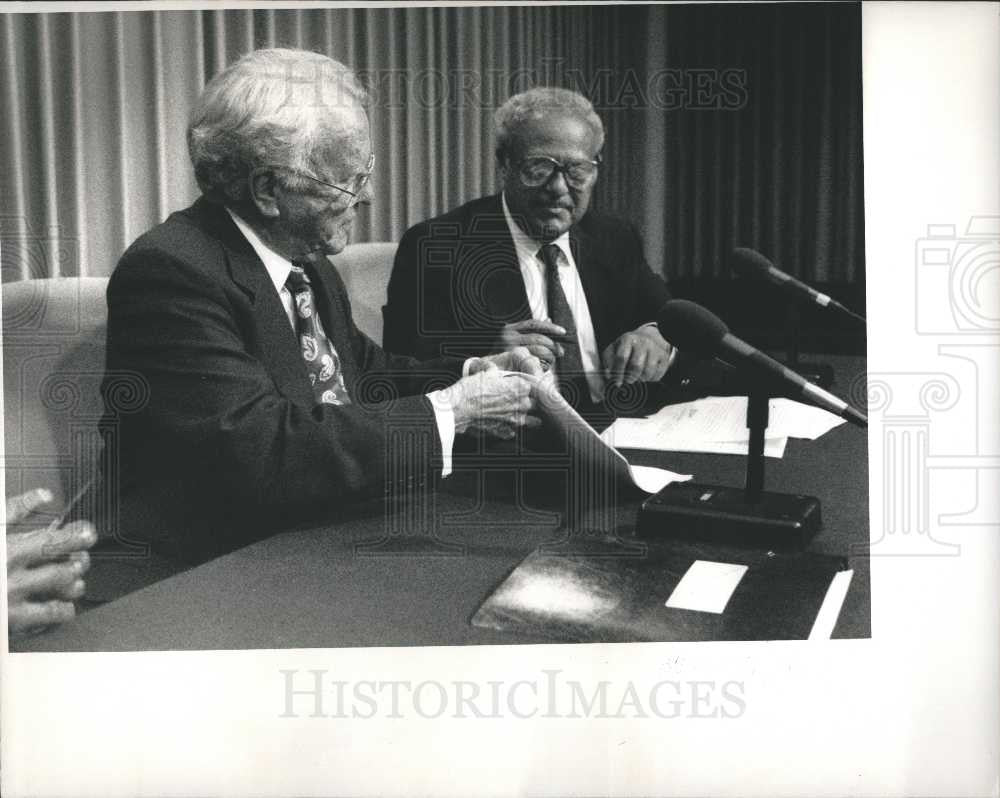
(718,425)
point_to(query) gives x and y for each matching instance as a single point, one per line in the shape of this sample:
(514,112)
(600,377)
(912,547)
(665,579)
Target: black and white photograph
(504,372)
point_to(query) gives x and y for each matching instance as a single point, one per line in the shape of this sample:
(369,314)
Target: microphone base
(820,374)
(717,514)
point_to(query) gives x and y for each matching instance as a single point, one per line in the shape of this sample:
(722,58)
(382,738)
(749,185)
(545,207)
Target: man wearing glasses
(266,406)
(532,267)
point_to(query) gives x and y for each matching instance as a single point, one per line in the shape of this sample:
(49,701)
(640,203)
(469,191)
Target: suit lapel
(491,269)
(277,345)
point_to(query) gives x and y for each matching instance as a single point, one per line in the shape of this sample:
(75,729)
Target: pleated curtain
(781,171)
(95,106)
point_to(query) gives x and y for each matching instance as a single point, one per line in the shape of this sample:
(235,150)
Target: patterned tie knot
(297,278)
(301,290)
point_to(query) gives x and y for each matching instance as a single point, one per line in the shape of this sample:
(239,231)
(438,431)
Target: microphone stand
(758,406)
(753,516)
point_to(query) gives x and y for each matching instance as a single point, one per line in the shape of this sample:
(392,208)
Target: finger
(20,507)
(81,561)
(28,616)
(540,326)
(504,431)
(478,364)
(535,339)
(542,353)
(517,383)
(61,541)
(608,358)
(619,360)
(636,366)
(49,543)
(55,580)
(530,364)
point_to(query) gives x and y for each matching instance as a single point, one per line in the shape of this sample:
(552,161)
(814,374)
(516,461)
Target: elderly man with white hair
(267,407)
(533,266)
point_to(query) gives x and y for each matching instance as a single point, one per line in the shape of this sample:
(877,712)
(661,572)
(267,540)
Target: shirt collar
(278,267)
(527,246)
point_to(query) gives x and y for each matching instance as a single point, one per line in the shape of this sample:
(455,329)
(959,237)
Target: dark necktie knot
(550,257)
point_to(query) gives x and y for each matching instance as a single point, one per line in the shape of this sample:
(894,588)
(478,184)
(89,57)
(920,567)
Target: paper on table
(652,479)
(639,433)
(718,425)
(798,420)
(558,412)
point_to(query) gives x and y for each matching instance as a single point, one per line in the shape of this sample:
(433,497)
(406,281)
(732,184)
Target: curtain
(93,151)
(752,137)
(93,147)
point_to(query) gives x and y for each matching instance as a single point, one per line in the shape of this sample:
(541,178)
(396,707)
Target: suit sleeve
(651,293)
(215,414)
(650,289)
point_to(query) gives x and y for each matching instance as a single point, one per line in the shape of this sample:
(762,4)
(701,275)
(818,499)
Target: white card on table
(706,586)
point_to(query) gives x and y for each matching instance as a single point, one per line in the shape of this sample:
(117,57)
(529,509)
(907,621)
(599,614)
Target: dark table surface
(358,582)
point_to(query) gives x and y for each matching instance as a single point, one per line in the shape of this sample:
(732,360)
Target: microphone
(750,263)
(691,327)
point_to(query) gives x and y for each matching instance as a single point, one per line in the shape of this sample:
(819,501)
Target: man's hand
(640,355)
(539,337)
(493,400)
(517,359)
(44,567)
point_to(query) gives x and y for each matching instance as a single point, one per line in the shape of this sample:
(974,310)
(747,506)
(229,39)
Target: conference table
(373,578)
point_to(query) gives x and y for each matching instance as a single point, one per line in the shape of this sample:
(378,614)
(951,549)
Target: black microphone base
(713,513)
(820,374)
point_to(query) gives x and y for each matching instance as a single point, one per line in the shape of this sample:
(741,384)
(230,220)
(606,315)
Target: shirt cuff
(444,417)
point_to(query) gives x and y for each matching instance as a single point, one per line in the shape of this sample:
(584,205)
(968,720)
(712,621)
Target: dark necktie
(569,367)
(322,361)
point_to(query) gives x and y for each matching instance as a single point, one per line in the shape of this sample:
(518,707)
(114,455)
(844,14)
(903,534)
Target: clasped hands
(498,394)
(640,355)
(45,567)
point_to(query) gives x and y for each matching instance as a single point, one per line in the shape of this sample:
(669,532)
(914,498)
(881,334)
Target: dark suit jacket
(229,445)
(456,281)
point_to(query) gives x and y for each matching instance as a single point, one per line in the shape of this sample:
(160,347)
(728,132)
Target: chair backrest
(365,269)
(53,361)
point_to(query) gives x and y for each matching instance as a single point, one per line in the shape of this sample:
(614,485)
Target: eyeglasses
(535,172)
(356,187)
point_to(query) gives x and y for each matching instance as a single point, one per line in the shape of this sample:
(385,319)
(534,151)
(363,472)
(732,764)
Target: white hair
(265,110)
(536,104)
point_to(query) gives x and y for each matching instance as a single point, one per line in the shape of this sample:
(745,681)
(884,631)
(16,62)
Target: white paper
(555,407)
(717,425)
(652,479)
(797,420)
(829,611)
(706,586)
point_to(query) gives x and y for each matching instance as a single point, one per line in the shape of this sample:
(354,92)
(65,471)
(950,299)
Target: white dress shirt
(533,271)
(278,268)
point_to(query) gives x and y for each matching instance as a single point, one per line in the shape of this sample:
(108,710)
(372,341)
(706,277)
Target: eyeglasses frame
(559,167)
(364,178)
